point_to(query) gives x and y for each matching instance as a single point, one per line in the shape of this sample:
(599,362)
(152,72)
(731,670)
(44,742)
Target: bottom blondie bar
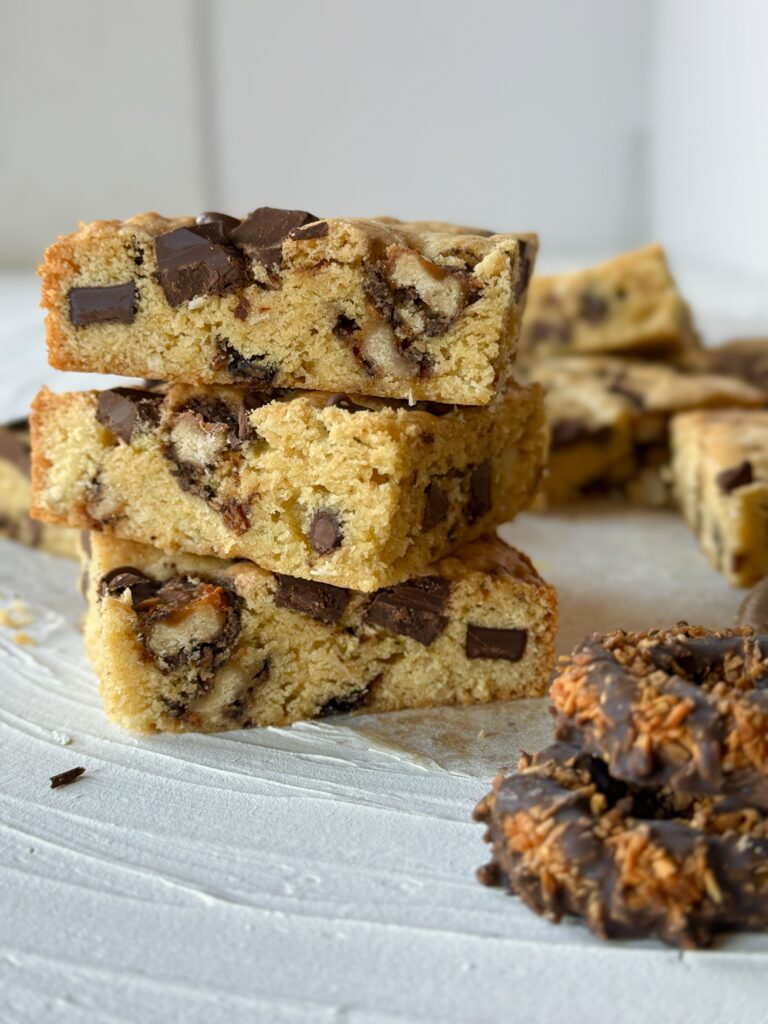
(183,642)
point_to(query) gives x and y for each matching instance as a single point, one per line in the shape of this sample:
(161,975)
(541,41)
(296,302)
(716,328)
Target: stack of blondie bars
(298,520)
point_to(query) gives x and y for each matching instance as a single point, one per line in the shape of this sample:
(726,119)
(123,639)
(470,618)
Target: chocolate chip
(505,644)
(480,498)
(114,303)
(342,401)
(325,533)
(120,409)
(352,701)
(568,432)
(526,264)
(345,326)
(413,609)
(198,261)
(433,408)
(320,601)
(242,309)
(125,577)
(65,778)
(253,369)
(317,230)
(262,233)
(540,331)
(435,506)
(16,450)
(236,515)
(592,307)
(211,217)
(251,400)
(737,476)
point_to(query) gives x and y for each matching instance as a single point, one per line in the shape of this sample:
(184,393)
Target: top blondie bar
(423,311)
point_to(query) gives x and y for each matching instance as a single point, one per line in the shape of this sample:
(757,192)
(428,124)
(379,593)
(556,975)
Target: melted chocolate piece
(695,657)
(592,307)
(480,500)
(66,778)
(16,450)
(351,702)
(526,265)
(325,533)
(413,609)
(198,261)
(211,217)
(125,577)
(436,506)
(236,515)
(345,326)
(320,601)
(252,369)
(262,233)
(317,230)
(569,432)
(120,409)
(250,401)
(114,303)
(504,644)
(737,476)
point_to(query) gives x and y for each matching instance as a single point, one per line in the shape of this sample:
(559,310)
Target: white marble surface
(323,873)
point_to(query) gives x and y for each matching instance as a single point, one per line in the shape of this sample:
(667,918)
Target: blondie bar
(16,493)
(609,423)
(182,642)
(745,358)
(720,466)
(359,492)
(628,305)
(284,299)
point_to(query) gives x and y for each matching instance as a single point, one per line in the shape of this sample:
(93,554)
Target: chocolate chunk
(413,609)
(737,476)
(320,601)
(435,506)
(65,778)
(253,369)
(317,230)
(120,409)
(114,303)
(377,290)
(568,432)
(242,309)
(480,498)
(251,400)
(342,401)
(125,577)
(526,264)
(325,533)
(211,217)
(262,233)
(592,307)
(433,408)
(198,261)
(236,515)
(16,450)
(506,644)
(345,326)
(352,701)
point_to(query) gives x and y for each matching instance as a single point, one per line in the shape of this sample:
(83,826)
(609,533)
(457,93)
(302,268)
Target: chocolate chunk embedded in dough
(413,609)
(253,369)
(125,577)
(480,499)
(325,532)
(506,644)
(120,409)
(736,476)
(320,601)
(114,303)
(262,233)
(212,217)
(435,506)
(198,261)
(592,307)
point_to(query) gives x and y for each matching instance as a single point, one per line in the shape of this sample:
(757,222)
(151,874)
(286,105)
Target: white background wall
(600,123)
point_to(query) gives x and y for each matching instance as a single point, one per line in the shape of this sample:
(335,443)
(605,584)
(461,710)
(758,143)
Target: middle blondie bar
(359,492)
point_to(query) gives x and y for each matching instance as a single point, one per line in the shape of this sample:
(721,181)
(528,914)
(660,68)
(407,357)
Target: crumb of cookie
(568,838)
(66,778)
(23,639)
